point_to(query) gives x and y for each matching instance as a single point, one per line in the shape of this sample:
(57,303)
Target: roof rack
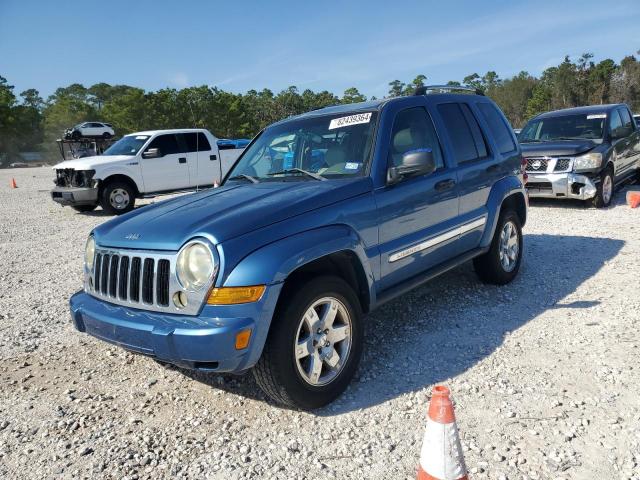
(424,90)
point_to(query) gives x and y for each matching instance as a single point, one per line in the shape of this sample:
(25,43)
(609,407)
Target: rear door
(477,169)
(170,171)
(627,149)
(204,164)
(417,216)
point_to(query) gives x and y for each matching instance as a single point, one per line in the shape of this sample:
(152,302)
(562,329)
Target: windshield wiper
(315,176)
(242,176)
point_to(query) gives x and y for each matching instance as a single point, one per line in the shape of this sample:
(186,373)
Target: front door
(417,216)
(169,171)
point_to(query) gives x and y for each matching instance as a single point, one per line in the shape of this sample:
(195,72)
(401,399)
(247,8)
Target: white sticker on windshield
(141,137)
(350,120)
(596,115)
(351,166)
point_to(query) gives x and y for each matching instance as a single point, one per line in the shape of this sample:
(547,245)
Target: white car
(90,130)
(142,164)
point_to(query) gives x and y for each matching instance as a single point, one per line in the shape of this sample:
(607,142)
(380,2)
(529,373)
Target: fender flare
(500,191)
(274,262)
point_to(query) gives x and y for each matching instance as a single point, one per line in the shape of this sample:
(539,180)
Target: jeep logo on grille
(132,236)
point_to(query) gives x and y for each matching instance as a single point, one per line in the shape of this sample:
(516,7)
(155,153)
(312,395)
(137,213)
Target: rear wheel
(84,208)
(501,263)
(106,135)
(314,344)
(117,197)
(604,190)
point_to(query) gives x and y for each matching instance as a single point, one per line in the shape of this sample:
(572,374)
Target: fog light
(242,339)
(180,299)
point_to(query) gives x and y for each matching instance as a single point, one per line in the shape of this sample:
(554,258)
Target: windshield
(332,146)
(564,127)
(129,145)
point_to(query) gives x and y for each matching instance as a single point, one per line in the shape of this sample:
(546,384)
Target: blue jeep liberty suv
(324,217)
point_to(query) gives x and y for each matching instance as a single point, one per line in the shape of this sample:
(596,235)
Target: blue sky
(329,45)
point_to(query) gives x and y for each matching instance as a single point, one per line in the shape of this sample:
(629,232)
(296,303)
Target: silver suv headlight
(588,161)
(196,265)
(89,253)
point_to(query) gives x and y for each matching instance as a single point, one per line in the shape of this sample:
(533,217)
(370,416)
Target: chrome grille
(537,164)
(142,279)
(562,165)
(130,278)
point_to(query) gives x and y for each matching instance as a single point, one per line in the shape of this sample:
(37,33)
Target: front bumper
(203,342)
(561,185)
(75,195)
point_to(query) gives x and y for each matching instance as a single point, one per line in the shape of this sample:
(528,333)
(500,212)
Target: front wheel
(314,344)
(117,197)
(501,263)
(604,190)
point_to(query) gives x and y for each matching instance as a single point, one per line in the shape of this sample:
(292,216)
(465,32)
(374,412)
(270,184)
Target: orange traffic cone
(441,456)
(13,183)
(633,199)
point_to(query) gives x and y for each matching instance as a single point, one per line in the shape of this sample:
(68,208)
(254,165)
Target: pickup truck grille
(548,164)
(68,177)
(131,278)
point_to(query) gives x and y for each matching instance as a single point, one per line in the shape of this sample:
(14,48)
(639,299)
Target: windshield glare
(564,127)
(129,145)
(331,146)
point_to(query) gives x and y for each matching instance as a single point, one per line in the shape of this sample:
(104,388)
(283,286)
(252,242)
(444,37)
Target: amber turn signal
(242,339)
(235,295)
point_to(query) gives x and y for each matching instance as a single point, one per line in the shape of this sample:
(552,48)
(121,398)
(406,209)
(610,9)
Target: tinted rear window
(465,134)
(196,142)
(498,128)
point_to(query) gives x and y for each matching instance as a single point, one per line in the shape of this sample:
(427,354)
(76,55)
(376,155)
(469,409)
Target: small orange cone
(633,199)
(13,183)
(441,456)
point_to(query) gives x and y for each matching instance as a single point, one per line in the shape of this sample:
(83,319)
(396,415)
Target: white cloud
(179,79)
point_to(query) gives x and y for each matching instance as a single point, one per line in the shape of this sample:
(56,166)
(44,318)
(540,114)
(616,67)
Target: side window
(614,121)
(498,128)
(464,141)
(167,144)
(625,117)
(203,143)
(412,130)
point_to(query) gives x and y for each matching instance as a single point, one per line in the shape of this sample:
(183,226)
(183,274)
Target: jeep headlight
(89,253)
(195,266)
(588,161)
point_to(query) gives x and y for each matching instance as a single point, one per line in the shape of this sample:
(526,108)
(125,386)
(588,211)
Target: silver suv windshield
(329,146)
(564,127)
(129,145)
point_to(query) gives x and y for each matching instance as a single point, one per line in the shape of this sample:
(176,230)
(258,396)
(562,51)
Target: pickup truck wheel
(501,263)
(84,208)
(117,197)
(314,345)
(604,190)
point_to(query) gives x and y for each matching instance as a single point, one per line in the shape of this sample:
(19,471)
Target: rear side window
(463,129)
(167,144)
(497,127)
(196,142)
(413,130)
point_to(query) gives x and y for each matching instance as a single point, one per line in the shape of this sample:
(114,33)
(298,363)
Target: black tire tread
(486,266)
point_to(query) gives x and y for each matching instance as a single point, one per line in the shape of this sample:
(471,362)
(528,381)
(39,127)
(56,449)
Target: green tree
(352,95)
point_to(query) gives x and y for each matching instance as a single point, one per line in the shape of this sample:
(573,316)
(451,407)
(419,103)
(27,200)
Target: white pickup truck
(142,164)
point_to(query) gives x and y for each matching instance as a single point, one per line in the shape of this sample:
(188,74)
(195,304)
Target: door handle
(182,160)
(445,185)
(213,157)
(493,168)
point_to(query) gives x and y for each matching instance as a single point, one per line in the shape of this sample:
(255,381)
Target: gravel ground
(544,372)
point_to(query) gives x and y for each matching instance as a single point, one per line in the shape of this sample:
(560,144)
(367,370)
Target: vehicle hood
(223,213)
(557,148)
(90,163)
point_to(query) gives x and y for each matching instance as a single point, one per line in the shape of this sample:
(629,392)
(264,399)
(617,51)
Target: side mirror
(414,162)
(620,132)
(152,153)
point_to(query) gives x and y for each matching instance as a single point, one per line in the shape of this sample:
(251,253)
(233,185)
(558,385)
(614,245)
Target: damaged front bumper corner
(561,185)
(71,196)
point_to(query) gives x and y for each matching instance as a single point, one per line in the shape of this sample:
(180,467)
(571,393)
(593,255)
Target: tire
(117,197)
(490,267)
(75,135)
(601,200)
(106,135)
(84,208)
(280,374)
